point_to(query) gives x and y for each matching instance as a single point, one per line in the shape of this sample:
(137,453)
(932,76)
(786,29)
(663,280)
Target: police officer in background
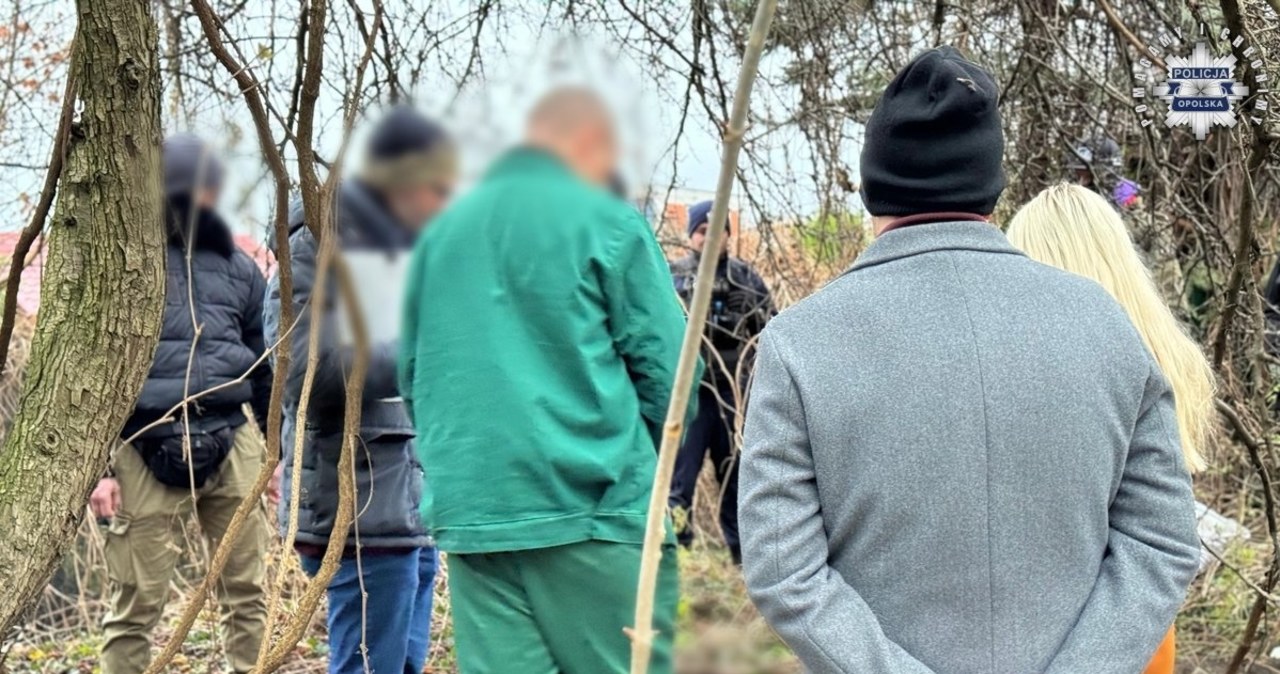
(1096,163)
(740,306)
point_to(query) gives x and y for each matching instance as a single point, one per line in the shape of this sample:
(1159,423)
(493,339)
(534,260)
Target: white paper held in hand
(379,280)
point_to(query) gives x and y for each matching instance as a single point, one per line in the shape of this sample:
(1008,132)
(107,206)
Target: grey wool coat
(959,460)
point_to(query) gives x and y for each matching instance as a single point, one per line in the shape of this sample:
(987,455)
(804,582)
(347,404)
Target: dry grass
(720,632)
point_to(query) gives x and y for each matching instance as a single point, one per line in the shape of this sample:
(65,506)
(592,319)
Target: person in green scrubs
(538,350)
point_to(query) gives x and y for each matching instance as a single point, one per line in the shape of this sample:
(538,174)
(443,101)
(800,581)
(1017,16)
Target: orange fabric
(1162,663)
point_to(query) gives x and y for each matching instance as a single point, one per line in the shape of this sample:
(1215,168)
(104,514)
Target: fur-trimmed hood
(207,229)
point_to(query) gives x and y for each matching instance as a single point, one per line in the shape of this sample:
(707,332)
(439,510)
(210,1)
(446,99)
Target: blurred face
(594,153)
(1083,177)
(698,240)
(415,205)
(205,197)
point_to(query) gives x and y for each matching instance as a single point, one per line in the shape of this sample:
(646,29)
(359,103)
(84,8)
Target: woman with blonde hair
(1075,229)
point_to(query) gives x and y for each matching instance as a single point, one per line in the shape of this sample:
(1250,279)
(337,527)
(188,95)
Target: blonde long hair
(1072,228)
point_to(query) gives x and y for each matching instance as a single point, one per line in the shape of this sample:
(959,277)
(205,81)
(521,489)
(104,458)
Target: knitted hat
(934,141)
(189,164)
(700,213)
(406,148)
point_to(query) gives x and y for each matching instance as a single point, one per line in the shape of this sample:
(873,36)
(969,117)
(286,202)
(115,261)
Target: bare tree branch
(18,261)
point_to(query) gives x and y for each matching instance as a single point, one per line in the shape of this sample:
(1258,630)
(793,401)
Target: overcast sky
(520,61)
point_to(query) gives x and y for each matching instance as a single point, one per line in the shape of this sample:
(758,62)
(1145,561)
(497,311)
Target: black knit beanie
(405,147)
(698,214)
(934,141)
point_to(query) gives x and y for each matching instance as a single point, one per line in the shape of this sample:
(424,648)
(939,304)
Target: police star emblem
(1201,91)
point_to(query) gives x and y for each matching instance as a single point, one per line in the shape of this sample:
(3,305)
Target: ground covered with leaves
(719,632)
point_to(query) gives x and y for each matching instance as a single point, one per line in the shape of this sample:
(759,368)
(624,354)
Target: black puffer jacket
(228,289)
(388,476)
(741,305)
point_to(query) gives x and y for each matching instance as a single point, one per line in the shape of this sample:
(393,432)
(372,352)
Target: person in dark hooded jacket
(741,305)
(408,172)
(210,355)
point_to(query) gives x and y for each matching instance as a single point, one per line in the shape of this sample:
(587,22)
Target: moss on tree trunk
(100,305)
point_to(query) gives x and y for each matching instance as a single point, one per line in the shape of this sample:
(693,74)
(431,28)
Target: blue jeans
(395,623)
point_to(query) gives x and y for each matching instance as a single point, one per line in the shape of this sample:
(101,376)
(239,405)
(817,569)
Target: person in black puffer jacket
(210,346)
(407,175)
(741,305)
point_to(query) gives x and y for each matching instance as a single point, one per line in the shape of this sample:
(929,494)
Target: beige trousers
(144,542)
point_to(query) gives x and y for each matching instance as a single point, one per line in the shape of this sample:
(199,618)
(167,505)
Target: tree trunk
(101,300)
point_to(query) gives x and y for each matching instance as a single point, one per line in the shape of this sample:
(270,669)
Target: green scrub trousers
(557,610)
